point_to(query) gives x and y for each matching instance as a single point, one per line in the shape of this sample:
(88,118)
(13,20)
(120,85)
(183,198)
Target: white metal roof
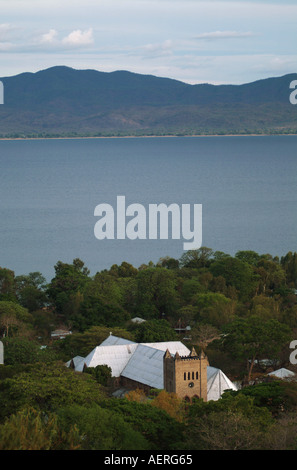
(146,366)
(282,373)
(116,357)
(172,346)
(137,320)
(76,360)
(217,383)
(143,362)
(112,340)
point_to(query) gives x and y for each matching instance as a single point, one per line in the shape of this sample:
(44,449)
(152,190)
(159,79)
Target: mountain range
(62,101)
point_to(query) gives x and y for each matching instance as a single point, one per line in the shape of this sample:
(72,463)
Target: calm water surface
(50,188)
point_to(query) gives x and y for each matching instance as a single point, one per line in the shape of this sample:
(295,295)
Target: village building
(282,374)
(60,333)
(164,365)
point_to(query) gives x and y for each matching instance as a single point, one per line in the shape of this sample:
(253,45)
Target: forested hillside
(61,101)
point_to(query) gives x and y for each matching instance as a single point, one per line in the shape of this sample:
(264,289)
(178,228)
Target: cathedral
(164,365)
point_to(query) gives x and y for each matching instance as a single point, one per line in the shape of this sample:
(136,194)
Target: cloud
(5,46)
(5,28)
(49,37)
(271,65)
(75,39)
(156,49)
(79,38)
(224,35)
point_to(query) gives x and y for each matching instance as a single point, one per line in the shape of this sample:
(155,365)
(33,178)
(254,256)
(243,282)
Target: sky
(210,41)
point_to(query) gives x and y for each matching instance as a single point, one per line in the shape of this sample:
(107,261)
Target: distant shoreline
(141,136)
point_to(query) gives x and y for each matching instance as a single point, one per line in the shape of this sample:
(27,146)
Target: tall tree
(7,285)
(202,335)
(69,280)
(154,331)
(215,309)
(271,276)
(14,318)
(200,258)
(254,338)
(238,274)
(30,291)
(289,263)
(156,292)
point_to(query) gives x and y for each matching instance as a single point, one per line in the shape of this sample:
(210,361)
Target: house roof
(74,361)
(282,373)
(137,320)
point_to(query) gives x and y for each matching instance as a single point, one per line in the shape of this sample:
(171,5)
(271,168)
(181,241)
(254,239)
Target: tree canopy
(241,309)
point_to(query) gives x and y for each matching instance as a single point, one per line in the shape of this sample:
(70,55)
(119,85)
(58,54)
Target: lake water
(50,188)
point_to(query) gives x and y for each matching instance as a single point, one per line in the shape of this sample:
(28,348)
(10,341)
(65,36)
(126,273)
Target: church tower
(186,375)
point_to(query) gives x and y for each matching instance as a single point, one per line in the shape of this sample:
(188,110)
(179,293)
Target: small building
(181,327)
(138,320)
(282,374)
(60,334)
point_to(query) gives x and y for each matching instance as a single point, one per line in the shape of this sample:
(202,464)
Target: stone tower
(186,375)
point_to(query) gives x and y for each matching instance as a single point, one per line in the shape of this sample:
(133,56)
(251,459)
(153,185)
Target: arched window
(185,376)
(197,376)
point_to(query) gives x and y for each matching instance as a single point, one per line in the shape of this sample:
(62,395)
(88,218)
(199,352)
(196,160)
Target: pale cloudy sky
(214,41)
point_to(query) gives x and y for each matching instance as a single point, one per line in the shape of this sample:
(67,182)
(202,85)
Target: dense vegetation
(241,309)
(63,102)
